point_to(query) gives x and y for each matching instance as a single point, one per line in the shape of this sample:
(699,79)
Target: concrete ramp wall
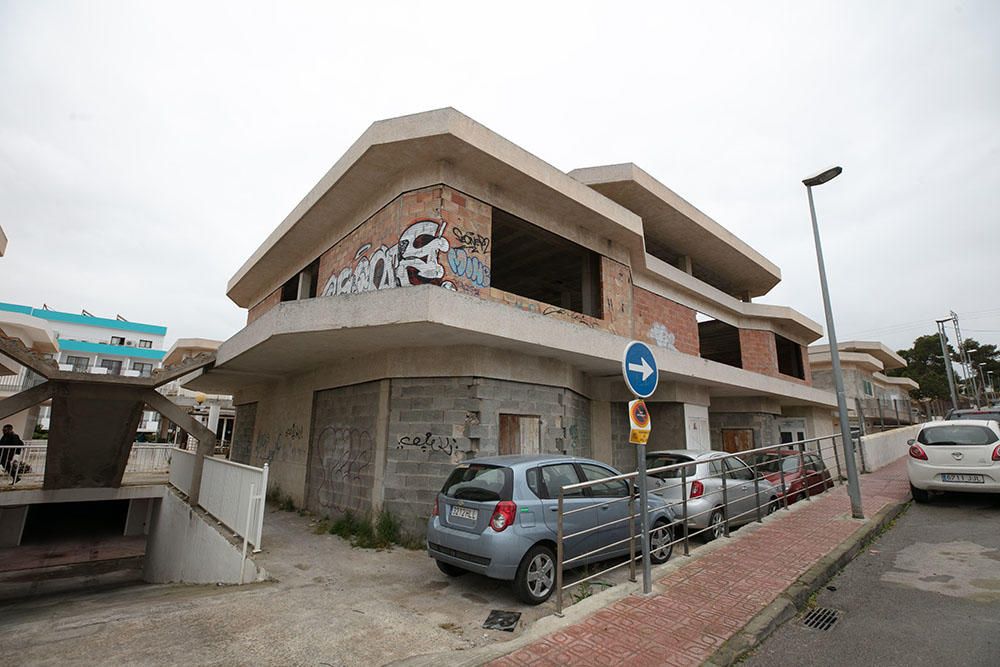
(881,449)
(186,545)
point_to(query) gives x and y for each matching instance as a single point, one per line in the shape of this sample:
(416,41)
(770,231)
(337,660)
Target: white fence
(881,449)
(144,458)
(231,492)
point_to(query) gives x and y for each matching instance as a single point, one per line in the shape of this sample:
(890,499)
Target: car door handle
(604,507)
(553,509)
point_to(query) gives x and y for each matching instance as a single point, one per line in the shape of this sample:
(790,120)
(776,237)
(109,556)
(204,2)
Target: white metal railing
(231,492)
(28,462)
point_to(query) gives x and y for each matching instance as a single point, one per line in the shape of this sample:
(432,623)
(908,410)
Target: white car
(955,456)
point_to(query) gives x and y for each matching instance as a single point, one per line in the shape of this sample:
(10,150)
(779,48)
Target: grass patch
(382,533)
(281,499)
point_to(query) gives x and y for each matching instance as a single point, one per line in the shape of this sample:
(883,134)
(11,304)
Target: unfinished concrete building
(522,286)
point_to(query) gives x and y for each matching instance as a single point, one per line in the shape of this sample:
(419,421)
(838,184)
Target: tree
(925,366)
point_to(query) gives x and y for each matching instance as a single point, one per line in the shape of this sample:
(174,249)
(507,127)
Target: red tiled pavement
(710,599)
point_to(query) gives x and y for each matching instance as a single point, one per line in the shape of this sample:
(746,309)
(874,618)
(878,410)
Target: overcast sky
(146,151)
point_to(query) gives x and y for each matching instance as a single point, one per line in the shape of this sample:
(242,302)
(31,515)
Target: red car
(804,472)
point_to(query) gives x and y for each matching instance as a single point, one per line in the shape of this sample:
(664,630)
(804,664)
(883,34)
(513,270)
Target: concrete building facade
(442,293)
(875,399)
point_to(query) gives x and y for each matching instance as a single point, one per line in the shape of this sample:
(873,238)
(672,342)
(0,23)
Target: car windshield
(479,482)
(957,434)
(660,460)
(774,463)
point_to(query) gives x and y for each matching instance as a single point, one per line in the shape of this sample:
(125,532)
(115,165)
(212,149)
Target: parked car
(707,512)
(959,456)
(803,475)
(974,413)
(497,516)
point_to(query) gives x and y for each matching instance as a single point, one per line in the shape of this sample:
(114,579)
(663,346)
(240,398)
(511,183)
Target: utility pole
(947,362)
(970,375)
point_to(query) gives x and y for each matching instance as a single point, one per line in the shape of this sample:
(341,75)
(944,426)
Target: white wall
(183,547)
(881,449)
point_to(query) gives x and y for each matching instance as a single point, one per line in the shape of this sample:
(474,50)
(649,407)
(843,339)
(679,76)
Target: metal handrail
(798,451)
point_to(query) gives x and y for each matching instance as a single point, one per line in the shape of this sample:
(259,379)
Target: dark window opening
(720,342)
(789,357)
(536,264)
(302,285)
(290,289)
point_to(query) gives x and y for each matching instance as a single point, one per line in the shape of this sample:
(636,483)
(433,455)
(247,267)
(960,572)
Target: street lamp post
(853,483)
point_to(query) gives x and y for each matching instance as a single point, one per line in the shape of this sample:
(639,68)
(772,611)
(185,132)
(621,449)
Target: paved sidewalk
(708,601)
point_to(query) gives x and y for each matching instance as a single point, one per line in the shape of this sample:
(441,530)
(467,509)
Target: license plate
(464,513)
(974,479)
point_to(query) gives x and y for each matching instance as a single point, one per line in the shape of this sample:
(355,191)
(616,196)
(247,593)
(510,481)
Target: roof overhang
(298,336)
(670,219)
(886,357)
(821,359)
(35,333)
(908,383)
(189,347)
(391,148)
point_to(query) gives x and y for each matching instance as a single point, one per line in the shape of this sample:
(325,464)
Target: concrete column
(213,418)
(381,445)
(600,431)
(12,520)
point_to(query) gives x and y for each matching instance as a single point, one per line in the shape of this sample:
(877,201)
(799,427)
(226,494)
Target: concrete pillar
(213,418)
(381,445)
(12,520)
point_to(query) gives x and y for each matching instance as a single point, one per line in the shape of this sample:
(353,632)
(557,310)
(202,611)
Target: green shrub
(383,533)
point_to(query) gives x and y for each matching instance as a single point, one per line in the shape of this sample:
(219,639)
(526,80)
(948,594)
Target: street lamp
(853,483)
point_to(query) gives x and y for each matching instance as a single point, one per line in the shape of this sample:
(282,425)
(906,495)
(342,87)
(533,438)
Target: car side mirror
(911,442)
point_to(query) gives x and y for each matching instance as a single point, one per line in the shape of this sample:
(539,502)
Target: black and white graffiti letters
(413,260)
(473,242)
(344,456)
(293,432)
(429,443)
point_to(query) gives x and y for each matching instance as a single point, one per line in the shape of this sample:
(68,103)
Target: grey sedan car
(497,516)
(706,510)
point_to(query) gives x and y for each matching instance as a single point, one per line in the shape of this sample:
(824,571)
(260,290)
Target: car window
(957,434)
(975,414)
(617,488)
(479,482)
(816,463)
(660,460)
(715,468)
(534,479)
(774,463)
(557,476)
(736,469)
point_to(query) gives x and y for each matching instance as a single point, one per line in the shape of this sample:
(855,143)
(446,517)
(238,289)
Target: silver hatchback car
(497,516)
(706,510)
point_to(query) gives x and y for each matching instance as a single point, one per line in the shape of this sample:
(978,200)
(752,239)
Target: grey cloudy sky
(147,150)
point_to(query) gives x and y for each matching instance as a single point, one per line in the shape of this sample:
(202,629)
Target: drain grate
(821,618)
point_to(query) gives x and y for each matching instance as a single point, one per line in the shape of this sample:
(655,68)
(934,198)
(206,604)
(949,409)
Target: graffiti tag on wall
(344,455)
(473,242)
(413,260)
(469,266)
(429,443)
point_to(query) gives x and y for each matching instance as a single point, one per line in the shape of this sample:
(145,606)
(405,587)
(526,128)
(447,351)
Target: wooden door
(737,439)
(519,434)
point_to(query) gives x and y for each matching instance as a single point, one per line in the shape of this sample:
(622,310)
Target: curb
(795,598)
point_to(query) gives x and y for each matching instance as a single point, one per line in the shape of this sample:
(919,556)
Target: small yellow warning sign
(638,417)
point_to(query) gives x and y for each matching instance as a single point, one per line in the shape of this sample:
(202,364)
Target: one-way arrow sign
(639,369)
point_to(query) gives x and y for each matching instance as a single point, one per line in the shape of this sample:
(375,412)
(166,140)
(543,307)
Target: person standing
(10,446)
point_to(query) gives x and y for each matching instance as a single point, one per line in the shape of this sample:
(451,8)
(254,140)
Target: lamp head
(823,177)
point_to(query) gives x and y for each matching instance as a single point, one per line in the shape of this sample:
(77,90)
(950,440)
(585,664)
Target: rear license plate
(974,479)
(464,513)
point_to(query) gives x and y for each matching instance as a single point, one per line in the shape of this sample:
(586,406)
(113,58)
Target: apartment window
(302,285)
(117,340)
(80,364)
(145,343)
(789,357)
(145,369)
(868,388)
(114,367)
(536,264)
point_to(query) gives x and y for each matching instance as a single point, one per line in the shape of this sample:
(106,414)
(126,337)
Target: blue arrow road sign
(639,369)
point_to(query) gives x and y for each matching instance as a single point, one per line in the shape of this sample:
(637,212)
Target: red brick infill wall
(665,323)
(759,353)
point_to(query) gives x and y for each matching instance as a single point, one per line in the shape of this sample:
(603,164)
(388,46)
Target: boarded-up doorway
(520,434)
(737,439)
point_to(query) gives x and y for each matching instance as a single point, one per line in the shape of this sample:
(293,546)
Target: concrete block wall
(764,427)
(342,450)
(242,444)
(665,323)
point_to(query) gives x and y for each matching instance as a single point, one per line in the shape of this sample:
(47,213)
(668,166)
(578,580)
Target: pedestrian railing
(27,463)
(705,497)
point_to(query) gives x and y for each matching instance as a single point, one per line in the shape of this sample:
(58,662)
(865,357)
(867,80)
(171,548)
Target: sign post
(641,377)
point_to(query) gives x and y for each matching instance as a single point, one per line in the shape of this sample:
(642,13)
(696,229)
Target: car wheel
(536,575)
(919,495)
(449,569)
(661,542)
(716,526)
(772,507)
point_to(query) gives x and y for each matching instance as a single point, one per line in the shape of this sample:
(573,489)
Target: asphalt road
(927,592)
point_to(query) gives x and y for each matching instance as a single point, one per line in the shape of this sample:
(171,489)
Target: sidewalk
(700,606)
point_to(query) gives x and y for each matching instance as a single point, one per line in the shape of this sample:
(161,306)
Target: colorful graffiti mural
(413,260)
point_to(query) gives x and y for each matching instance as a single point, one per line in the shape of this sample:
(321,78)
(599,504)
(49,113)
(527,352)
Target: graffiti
(464,265)
(413,260)
(429,443)
(293,432)
(471,241)
(579,318)
(662,336)
(343,455)
(266,450)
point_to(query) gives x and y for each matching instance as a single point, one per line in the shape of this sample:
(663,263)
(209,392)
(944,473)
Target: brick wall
(665,323)
(759,354)
(269,302)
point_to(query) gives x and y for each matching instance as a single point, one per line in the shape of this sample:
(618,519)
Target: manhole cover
(821,618)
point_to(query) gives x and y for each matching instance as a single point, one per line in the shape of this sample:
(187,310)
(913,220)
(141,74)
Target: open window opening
(536,264)
(719,341)
(302,285)
(789,357)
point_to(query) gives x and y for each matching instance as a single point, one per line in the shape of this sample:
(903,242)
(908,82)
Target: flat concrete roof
(297,336)
(671,220)
(392,147)
(887,357)
(189,347)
